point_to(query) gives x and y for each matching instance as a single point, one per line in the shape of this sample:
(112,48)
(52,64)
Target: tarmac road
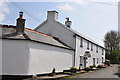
(109,72)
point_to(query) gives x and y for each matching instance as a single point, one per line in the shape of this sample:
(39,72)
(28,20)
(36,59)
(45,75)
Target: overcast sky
(92,18)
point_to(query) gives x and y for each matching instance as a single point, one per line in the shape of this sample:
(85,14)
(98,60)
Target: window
(96,48)
(91,47)
(102,51)
(97,60)
(87,44)
(102,59)
(80,61)
(81,42)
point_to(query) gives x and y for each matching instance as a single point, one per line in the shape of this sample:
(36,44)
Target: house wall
(20,57)
(54,28)
(47,57)
(15,57)
(80,51)
(64,34)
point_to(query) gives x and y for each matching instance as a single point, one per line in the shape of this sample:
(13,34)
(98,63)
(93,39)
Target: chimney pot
(21,14)
(68,22)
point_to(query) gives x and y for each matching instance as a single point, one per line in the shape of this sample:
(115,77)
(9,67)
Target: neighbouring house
(87,52)
(28,52)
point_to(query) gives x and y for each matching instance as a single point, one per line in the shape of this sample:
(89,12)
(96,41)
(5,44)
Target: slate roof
(72,30)
(9,32)
(81,35)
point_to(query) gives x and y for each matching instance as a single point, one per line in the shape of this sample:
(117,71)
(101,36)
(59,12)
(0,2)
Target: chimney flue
(68,22)
(20,23)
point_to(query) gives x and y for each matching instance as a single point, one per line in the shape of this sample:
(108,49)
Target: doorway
(84,61)
(93,61)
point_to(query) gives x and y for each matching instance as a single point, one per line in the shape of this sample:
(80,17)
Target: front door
(93,61)
(85,62)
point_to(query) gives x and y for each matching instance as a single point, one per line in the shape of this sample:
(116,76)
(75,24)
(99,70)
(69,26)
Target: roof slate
(9,32)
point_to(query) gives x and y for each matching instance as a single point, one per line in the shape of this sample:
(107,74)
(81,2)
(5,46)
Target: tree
(114,57)
(111,41)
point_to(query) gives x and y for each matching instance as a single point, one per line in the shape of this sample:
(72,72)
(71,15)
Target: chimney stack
(52,15)
(68,22)
(20,24)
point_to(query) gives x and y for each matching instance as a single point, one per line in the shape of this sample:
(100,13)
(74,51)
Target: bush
(114,57)
(100,66)
(73,68)
(87,68)
(91,67)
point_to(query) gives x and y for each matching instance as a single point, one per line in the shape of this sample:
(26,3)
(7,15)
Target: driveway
(108,72)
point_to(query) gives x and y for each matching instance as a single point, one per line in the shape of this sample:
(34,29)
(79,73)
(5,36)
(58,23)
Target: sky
(92,18)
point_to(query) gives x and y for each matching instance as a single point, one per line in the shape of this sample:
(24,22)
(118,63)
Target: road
(108,72)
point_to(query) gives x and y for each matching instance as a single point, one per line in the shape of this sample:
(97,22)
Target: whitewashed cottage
(87,52)
(28,52)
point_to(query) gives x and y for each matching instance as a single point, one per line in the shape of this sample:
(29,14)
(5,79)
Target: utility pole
(119,22)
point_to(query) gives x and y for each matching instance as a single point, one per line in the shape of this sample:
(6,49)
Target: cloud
(4,10)
(81,2)
(66,6)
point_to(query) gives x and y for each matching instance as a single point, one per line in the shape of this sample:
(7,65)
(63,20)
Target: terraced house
(50,45)
(87,52)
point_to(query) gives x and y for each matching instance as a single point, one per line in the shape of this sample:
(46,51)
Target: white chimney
(68,22)
(52,15)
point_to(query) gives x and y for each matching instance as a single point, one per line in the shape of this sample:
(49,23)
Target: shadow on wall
(15,57)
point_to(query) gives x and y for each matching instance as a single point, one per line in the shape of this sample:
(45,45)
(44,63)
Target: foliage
(100,66)
(87,68)
(111,41)
(93,66)
(114,57)
(73,68)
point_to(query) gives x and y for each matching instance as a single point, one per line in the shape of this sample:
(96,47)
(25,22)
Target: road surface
(108,72)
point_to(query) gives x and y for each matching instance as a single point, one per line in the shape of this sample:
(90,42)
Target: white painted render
(22,57)
(15,57)
(80,51)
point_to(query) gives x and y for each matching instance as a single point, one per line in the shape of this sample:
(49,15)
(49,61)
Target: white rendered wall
(15,57)
(47,57)
(80,51)
(26,58)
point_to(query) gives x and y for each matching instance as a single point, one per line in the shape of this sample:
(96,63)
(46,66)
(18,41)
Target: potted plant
(52,73)
(73,69)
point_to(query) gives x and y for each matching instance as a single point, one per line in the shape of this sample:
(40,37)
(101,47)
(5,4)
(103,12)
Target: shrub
(73,68)
(94,66)
(87,68)
(91,67)
(100,66)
